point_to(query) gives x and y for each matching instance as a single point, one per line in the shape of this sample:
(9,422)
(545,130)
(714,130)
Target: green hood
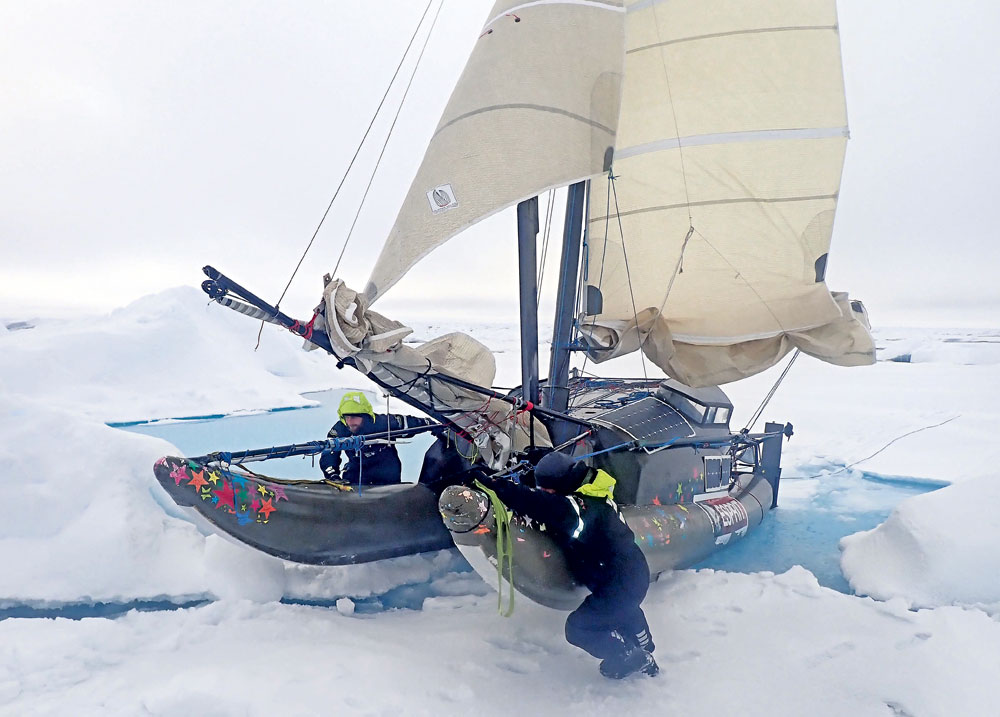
(603,486)
(355,402)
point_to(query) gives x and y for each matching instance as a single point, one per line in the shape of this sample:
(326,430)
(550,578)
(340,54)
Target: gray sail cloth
(728,126)
(376,345)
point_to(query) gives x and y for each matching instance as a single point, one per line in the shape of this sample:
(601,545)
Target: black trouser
(606,624)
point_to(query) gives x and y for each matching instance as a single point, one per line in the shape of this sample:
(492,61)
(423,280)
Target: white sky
(140,141)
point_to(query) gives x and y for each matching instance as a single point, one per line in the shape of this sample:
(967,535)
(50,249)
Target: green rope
(505,549)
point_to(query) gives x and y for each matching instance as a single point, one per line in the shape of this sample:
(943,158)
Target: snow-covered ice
(85,521)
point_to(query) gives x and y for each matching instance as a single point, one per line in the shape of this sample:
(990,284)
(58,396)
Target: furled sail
(536,107)
(375,343)
(709,246)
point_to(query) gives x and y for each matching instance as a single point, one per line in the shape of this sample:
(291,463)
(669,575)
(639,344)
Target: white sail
(727,125)
(727,167)
(536,107)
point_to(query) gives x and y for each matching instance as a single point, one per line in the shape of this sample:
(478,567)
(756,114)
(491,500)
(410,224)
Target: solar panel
(649,420)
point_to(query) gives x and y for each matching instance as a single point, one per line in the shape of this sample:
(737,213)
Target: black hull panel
(671,537)
(310,522)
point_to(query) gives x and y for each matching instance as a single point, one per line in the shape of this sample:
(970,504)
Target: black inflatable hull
(310,522)
(673,536)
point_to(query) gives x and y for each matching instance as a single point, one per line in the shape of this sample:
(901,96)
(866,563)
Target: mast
(556,394)
(527,231)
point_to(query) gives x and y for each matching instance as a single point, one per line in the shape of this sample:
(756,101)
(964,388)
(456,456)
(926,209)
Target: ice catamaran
(702,146)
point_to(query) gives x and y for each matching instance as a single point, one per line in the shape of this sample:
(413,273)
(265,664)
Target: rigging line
(678,268)
(628,274)
(742,278)
(545,241)
(897,438)
(604,253)
(677,130)
(388,136)
(356,153)
(770,394)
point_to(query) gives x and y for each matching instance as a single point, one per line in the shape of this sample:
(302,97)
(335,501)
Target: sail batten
(524,106)
(761,135)
(710,202)
(731,33)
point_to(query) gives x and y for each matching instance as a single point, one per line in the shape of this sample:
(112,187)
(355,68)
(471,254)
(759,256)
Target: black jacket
(376,463)
(599,547)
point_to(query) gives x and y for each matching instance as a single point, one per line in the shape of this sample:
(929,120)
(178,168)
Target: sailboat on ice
(702,145)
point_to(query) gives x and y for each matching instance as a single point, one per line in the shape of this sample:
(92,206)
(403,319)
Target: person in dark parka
(375,463)
(575,503)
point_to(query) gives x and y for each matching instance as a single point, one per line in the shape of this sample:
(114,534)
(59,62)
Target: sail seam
(526,106)
(701,140)
(585,3)
(731,33)
(710,202)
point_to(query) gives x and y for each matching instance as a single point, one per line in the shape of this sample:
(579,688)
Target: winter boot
(644,640)
(629,662)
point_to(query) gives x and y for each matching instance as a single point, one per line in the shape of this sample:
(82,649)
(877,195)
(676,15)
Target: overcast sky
(142,140)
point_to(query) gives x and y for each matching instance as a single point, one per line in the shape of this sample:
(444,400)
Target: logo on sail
(442,198)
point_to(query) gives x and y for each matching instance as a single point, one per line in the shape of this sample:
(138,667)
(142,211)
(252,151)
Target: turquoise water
(199,436)
(813,513)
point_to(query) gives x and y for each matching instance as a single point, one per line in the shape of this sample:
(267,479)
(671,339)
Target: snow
(727,643)
(147,360)
(935,549)
(84,521)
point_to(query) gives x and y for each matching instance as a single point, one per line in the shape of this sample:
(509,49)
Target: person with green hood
(575,503)
(375,463)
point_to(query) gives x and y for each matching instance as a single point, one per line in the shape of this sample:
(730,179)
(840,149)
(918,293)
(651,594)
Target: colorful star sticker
(656,500)
(279,492)
(214,477)
(255,505)
(680,492)
(178,474)
(266,508)
(262,490)
(224,497)
(198,480)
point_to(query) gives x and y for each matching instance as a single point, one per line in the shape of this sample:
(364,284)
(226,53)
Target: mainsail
(708,244)
(714,136)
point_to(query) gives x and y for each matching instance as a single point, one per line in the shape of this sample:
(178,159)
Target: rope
(897,438)
(545,242)
(505,549)
(628,275)
(351,163)
(388,136)
(770,394)
(604,253)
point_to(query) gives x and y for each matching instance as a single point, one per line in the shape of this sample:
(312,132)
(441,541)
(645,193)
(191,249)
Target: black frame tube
(555,396)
